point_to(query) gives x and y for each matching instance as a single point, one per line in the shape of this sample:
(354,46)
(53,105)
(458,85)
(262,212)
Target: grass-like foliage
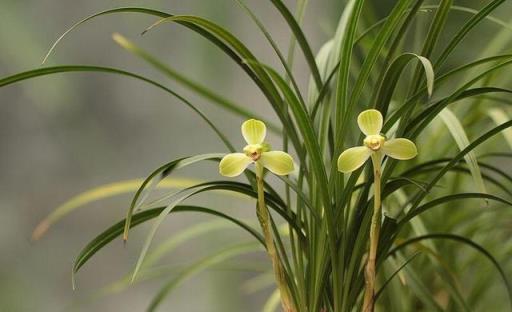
(424,226)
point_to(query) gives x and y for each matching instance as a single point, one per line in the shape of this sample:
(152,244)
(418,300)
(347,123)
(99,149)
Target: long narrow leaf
(99,193)
(459,135)
(117,229)
(467,242)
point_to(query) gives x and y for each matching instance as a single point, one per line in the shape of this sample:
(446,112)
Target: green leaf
(449,198)
(85,68)
(301,195)
(389,28)
(421,290)
(393,74)
(460,169)
(499,116)
(272,303)
(184,236)
(409,17)
(435,31)
(197,267)
(151,271)
(459,135)
(465,9)
(351,18)
(245,59)
(301,39)
(187,82)
(307,130)
(464,241)
(99,193)
(274,45)
(184,194)
(425,117)
(390,278)
(447,78)
(484,137)
(468,93)
(117,229)
(161,173)
(204,33)
(106,12)
(468,26)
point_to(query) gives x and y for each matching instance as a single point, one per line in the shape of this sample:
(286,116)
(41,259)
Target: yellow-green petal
(370,122)
(254,131)
(353,158)
(234,164)
(277,162)
(400,149)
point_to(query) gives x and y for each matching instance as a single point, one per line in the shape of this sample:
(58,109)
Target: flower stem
(264,219)
(370,270)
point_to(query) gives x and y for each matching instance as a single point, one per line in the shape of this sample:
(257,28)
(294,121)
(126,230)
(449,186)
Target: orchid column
(375,146)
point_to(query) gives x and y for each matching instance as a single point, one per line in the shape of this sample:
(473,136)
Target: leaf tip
(430,90)
(132,279)
(122,41)
(152,26)
(73,280)
(47,56)
(40,230)
(117,37)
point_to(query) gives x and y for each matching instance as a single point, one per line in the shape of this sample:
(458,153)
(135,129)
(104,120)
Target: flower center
(374,142)
(254,151)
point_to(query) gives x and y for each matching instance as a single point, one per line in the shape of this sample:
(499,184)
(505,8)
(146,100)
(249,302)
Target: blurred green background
(67,133)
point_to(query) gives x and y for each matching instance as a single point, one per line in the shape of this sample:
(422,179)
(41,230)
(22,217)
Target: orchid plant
(337,254)
(258,151)
(375,147)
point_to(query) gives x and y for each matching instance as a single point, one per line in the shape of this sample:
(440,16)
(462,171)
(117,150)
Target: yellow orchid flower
(375,146)
(256,151)
(370,122)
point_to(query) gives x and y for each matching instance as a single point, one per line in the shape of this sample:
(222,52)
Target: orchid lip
(255,156)
(374,142)
(253,151)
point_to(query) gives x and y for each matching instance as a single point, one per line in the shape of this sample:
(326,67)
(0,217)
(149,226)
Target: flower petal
(353,158)
(277,162)
(234,164)
(400,149)
(254,131)
(370,121)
